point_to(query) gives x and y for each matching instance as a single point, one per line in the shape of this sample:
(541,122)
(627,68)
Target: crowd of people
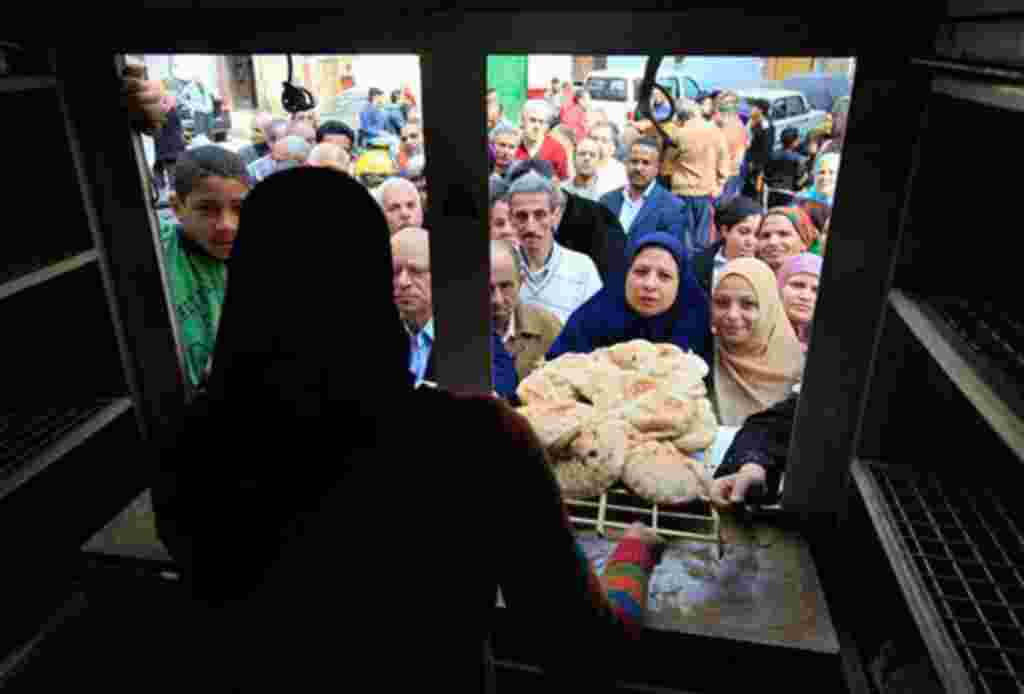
(596,240)
(600,236)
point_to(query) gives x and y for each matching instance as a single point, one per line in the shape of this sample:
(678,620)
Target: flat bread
(545,385)
(603,386)
(557,423)
(593,462)
(703,429)
(635,355)
(659,414)
(659,473)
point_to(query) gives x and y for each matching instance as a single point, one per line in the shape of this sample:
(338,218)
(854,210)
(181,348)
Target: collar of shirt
(538,275)
(643,196)
(426,331)
(720,259)
(511,332)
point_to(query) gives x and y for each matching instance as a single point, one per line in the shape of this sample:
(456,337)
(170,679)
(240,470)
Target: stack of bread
(634,412)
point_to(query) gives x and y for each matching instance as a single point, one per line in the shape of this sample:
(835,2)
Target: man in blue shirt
(645,205)
(375,123)
(410,253)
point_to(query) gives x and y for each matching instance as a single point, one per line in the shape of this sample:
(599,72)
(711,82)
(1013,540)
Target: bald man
(286,153)
(527,331)
(329,156)
(411,286)
(401,202)
(261,139)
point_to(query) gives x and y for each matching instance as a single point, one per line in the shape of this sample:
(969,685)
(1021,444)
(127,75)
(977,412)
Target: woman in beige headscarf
(758,358)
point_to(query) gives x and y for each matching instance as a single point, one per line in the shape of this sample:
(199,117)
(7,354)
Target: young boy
(210,183)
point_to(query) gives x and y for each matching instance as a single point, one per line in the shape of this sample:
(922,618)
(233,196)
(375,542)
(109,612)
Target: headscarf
(814,193)
(607,318)
(804,263)
(756,375)
(800,220)
(297,388)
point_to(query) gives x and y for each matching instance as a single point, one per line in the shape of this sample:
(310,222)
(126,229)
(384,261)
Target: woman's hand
(733,489)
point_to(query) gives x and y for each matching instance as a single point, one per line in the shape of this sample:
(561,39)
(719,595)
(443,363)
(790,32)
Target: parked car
(785,108)
(822,89)
(615,91)
(221,125)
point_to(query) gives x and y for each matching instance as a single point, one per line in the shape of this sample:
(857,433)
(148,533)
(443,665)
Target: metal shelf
(958,554)
(30,443)
(12,287)
(991,389)
(13,85)
(1005,96)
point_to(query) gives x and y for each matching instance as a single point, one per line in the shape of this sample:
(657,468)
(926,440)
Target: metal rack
(618,508)
(959,553)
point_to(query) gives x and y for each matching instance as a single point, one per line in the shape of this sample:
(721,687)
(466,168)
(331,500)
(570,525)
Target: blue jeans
(700,209)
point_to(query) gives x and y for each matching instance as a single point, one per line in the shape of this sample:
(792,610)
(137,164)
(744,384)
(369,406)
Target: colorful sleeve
(624,583)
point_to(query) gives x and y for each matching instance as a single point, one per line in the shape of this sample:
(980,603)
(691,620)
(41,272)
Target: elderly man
(611,172)
(644,205)
(537,144)
(329,156)
(411,284)
(584,184)
(412,144)
(401,204)
(527,331)
(506,143)
(287,153)
(261,141)
(736,137)
(555,278)
(583,225)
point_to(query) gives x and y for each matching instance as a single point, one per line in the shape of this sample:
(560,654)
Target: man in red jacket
(537,144)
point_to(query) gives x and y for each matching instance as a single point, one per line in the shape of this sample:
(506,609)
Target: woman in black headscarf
(312,492)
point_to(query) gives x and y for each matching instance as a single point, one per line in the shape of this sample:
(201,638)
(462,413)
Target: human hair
(789,137)
(735,210)
(505,246)
(335,127)
(200,163)
(505,130)
(374,92)
(537,105)
(532,182)
(648,141)
(390,183)
(687,109)
(497,191)
(396,94)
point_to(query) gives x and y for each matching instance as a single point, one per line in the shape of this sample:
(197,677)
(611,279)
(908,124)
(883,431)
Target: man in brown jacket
(528,331)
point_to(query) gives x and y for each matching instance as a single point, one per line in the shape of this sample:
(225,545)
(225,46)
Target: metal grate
(969,550)
(988,330)
(618,508)
(25,434)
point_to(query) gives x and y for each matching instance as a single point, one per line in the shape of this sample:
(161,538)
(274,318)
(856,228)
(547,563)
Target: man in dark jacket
(645,205)
(585,226)
(169,144)
(786,169)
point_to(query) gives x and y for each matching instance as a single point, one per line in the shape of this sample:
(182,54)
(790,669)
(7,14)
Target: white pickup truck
(785,108)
